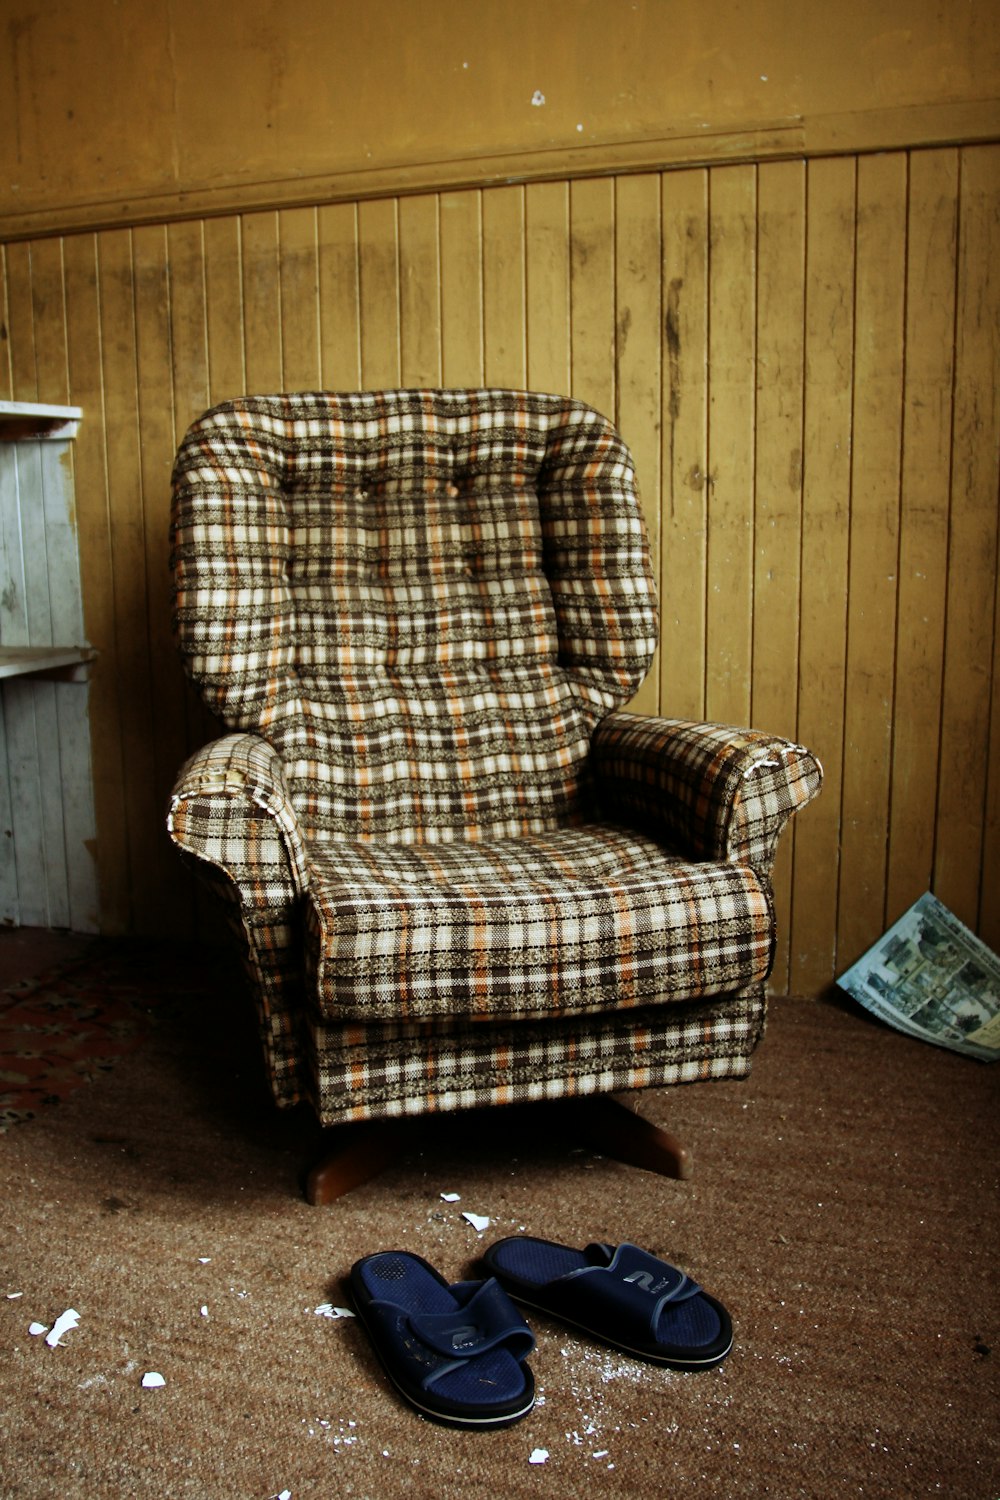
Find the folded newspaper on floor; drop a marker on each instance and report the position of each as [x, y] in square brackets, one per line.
[930, 977]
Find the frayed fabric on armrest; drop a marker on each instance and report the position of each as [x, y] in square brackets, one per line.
[230, 807]
[715, 792]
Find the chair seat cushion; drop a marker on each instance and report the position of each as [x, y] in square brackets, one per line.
[576, 920]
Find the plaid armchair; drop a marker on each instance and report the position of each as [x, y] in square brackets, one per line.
[460, 873]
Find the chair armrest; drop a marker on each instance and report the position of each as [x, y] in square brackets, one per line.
[230, 807]
[715, 792]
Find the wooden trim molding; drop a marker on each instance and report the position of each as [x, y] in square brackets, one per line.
[857, 132]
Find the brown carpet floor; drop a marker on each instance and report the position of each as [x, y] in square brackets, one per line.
[844, 1206]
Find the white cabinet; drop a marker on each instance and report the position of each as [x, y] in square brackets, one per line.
[47, 867]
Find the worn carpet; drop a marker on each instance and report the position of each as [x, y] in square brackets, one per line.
[844, 1206]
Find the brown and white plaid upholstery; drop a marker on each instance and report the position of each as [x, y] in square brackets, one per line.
[421, 613]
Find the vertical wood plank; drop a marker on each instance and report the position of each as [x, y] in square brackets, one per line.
[262, 303]
[547, 287]
[6, 378]
[684, 521]
[874, 550]
[592, 293]
[781, 240]
[86, 374]
[923, 539]
[730, 473]
[138, 806]
[420, 291]
[339, 306]
[638, 344]
[961, 878]
[187, 261]
[826, 500]
[378, 242]
[188, 332]
[155, 398]
[462, 288]
[49, 321]
[227, 360]
[504, 343]
[299, 275]
[20, 323]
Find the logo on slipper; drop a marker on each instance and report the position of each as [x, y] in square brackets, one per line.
[644, 1281]
[465, 1338]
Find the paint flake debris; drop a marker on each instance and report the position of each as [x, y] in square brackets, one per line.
[65, 1323]
[327, 1310]
[204, 1311]
[12, 1296]
[451, 1197]
[539, 1456]
[538, 98]
[479, 1222]
[36, 1328]
[152, 1380]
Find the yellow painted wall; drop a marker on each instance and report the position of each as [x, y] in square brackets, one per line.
[114, 111]
[801, 352]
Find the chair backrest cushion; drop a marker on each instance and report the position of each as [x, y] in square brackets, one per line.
[425, 600]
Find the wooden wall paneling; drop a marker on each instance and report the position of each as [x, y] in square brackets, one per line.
[961, 879]
[339, 297]
[923, 536]
[638, 348]
[462, 288]
[378, 240]
[781, 241]
[989, 901]
[685, 491]
[592, 292]
[228, 367]
[730, 458]
[84, 331]
[504, 343]
[874, 549]
[157, 425]
[6, 385]
[420, 291]
[20, 323]
[299, 279]
[188, 333]
[188, 265]
[48, 302]
[826, 507]
[139, 807]
[262, 325]
[547, 287]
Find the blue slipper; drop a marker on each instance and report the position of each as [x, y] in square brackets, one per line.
[625, 1297]
[455, 1352]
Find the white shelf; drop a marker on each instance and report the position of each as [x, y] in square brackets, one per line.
[71, 663]
[22, 421]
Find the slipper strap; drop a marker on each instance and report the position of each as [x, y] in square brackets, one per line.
[485, 1319]
[628, 1295]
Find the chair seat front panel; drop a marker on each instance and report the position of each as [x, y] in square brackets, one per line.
[588, 919]
[378, 1071]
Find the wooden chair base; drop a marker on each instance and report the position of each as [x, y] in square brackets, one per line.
[356, 1153]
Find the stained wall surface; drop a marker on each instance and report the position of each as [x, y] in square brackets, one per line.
[800, 348]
